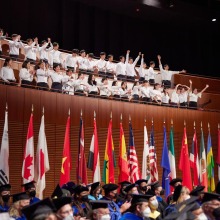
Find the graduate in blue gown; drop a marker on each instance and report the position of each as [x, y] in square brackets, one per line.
[4, 197]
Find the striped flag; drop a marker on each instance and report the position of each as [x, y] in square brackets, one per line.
[4, 154]
[165, 164]
[123, 161]
[81, 165]
[66, 159]
[145, 161]
[93, 161]
[172, 156]
[184, 164]
[202, 163]
[153, 158]
[218, 155]
[42, 160]
[109, 158]
[210, 165]
[132, 158]
[28, 162]
[194, 160]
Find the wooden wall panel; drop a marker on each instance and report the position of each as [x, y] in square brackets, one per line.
[56, 113]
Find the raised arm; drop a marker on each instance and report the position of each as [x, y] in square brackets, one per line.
[190, 85]
[159, 59]
[127, 56]
[206, 87]
[136, 60]
[177, 86]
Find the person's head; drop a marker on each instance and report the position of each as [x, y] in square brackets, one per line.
[195, 91]
[157, 86]
[81, 193]
[26, 64]
[104, 81]
[100, 210]
[56, 68]
[75, 52]
[90, 56]
[41, 64]
[122, 59]
[102, 55]
[5, 191]
[30, 188]
[8, 62]
[29, 41]
[136, 83]
[145, 83]
[176, 182]
[43, 42]
[183, 89]
[114, 83]
[82, 53]
[152, 64]
[131, 190]
[111, 191]
[178, 90]
[21, 199]
[1, 32]
[166, 67]
[95, 189]
[80, 76]
[110, 57]
[142, 184]
[55, 46]
[69, 72]
[153, 203]
[14, 36]
[157, 188]
[65, 211]
[91, 78]
[123, 84]
[181, 193]
[165, 91]
[144, 65]
[198, 212]
[130, 60]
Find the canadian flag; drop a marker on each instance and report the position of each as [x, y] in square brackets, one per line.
[42, 160]
[28, 162]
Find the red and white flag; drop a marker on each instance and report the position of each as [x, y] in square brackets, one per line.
[28, 162]
[42, 160]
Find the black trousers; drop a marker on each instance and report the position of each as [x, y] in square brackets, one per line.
[166, 83]
[121, 77]
[135, 98]
[130, 78]
[93, 94]
[26, 84]
[193, 105]
[146, 99]
[42, 86]
[13, 56]
[56, 87]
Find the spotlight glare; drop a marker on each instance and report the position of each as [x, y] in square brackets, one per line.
[214, 19]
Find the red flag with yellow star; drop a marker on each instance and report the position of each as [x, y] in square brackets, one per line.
[66, 160]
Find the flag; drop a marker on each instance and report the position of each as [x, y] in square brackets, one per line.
[132, 158]
[202, 163]
[153, 158]
[109, 158]
[165, 164]
[42, 160]
[210, 165]
[194, 160]
[123, 161]
[66, 159]
[184, 164]
[4, 154]
[28, 162]
[172, 156]
[81, 171]
[145, 161]
[93, 161]
[218, 155]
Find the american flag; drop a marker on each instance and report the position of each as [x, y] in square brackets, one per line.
[153, 158]
[132, 158]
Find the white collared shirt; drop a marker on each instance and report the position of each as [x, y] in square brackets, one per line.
[58, 77]
[104, 90]
[82, 62]
[90, 64]
[165, 98]
[25, 74]
[7, 73]
[92, 88]
[44, 51]
[42, 76]
[71, 61]
[151, 73]
[56, 56]
[1, 38]
[167, 74]
[101, 64]
[115, 90]
[31, 51]
[135, 90]
[79, 85]
[110, 67]
[130, 68]
[123, 93]
[155, 93]
[121, 69]
[175, 97]
[14, 47]
[183, 97]
[145, 91]
[194, 97]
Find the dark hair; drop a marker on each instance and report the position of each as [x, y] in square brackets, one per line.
[120, 58]
[135, 83]
[43, 41]
[130, 58]
[145, 81]
[55, 66]
[156, 84]
[29, 39]
[90, 81]
[91, 55]
[152, 62]
[82, 51]
[14, 35]
[103, 79]
[1, 30]
[68, 70]
[114, 83]
[55, 44]
[79, 74]
[7, 60]
[110, 55]
[24, 64]
[165, 65]
[75, 51]
[38, 65]
[102, 53]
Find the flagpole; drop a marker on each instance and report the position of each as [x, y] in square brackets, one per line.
[94, 115]
[32, 109]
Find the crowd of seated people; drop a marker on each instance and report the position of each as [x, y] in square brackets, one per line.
[76, 74]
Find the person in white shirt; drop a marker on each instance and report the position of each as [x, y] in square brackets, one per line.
[71, 60]
[105, 92]
[7, 73]
[56, 55]
[145, 91]
[2, 37]
[115, 90]
[42, 76]
[152, 73]
[82, 59]
[46, 47]
[183, 96]
[80, 87]
[101, 64]
[121, 67]
[26, 75]
[57, 78]
[174, 101]
[90, 63]
[31, 50]
[92, 86]
[143, 71]
[166, 74]
[14, 46]
[156, 94]
[194, 95]
[110, 67]
[165, 97]
[135, 91]
[124, 92]
[130, 66]
[68, 87]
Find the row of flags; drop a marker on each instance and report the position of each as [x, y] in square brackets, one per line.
[35, 168]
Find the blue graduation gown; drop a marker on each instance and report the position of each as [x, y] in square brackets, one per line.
[130, 216]
[4, 208]
[33, 200]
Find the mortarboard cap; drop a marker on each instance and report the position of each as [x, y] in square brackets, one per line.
[197, 191]
[150, 192]
[41, 207]
[154, 185]
[177, 192]
[141, 181]
[124, 183]
[94, 186]
[29, 185]
[96, 204]
[110, 187]
[210, 196]
[174, 181]
[69, 186]
[57, 193]
[20, 196]
[140, 198]
[60, 202]
[80, 189]
[6, 187]
[129, 187]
